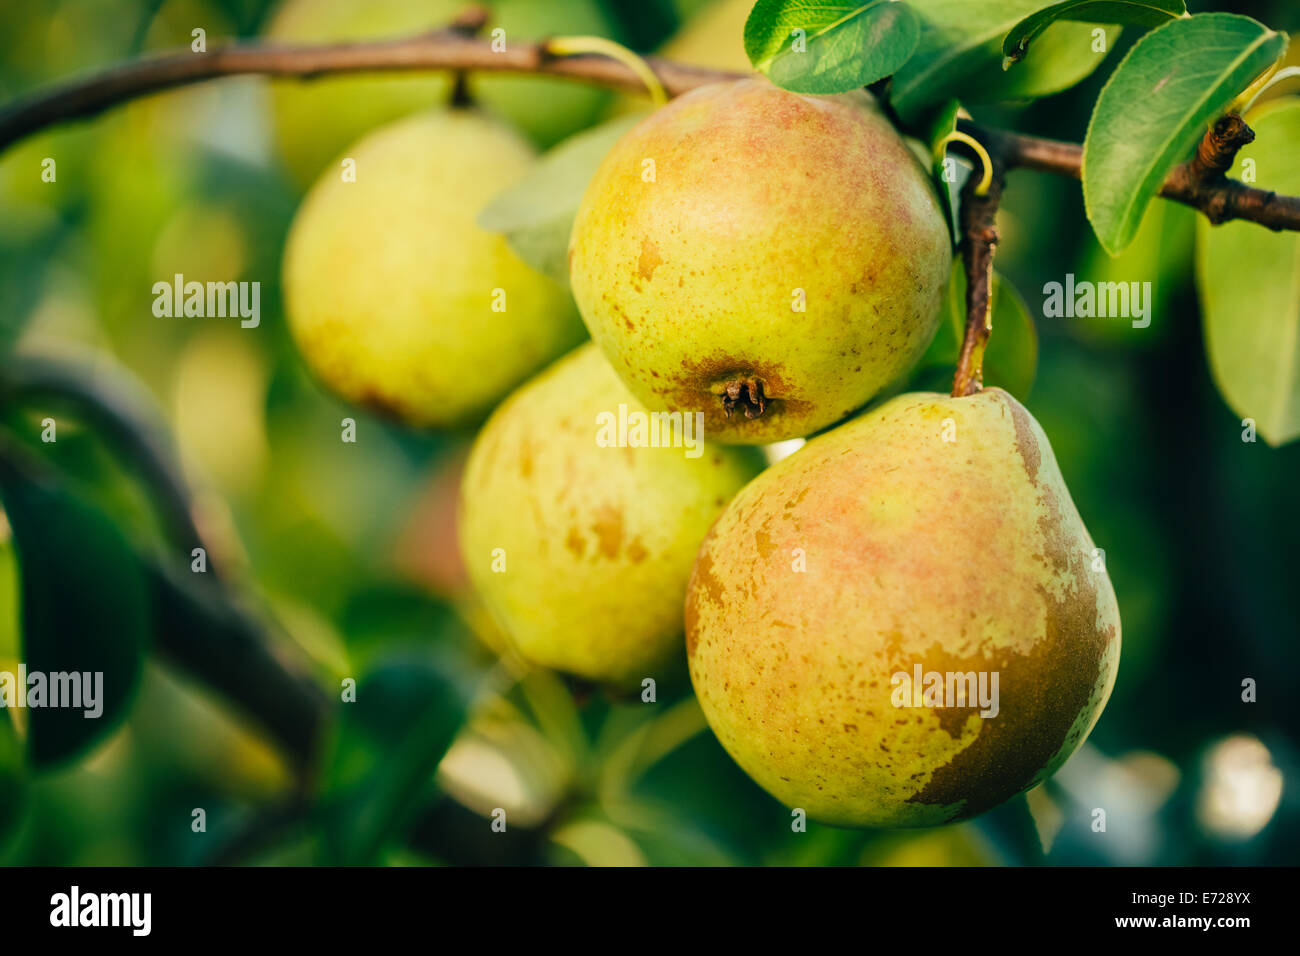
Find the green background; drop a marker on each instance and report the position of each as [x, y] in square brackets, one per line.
[346, 547]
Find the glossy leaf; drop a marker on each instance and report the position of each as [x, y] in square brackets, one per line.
[536, 214]
[1146, 13]
[1065, 54]
[1249, 282]
[811, 47]
[960, 55]
[1155, 108]
[84, 607]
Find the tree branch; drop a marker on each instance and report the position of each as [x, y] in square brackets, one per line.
[201, 623]
[455, 48]
[446, 49]
[1201, 182]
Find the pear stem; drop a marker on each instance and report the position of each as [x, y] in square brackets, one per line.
[978, 217]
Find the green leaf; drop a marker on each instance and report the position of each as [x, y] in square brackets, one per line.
[1011, 358]
[1155, 108]
[811, 47]
[960, 55]
[389, 743]
[536, 213]
[1144, 13]
[1066, 53]
[1249, 281]
[84, 606]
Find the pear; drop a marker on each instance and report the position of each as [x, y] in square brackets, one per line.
[931, 536]
[728, 262]
[580, 542]
[315, 121]
[397, 299]
[713, 36]
[545, 109]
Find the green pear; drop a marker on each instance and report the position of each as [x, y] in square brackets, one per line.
[546, 109]
[579, 540]
[728, 262]
[713, 36]
[397, 299]
[315, 121]
[932, 536]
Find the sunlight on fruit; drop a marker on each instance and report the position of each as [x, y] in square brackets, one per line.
[1242, 788]
[782, 449]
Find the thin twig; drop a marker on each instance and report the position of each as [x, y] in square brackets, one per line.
[454, 48]
[1201, 183]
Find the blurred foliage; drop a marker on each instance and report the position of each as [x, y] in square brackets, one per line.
[348, 551]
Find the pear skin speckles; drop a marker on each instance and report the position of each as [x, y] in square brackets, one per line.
[758, 261]
[937, 533]
[597, 541]
[389, 280]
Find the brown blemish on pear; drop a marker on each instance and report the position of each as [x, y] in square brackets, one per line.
[963, 556]
[748, 207]
[599, 539]
[649, 261]
[608, 527]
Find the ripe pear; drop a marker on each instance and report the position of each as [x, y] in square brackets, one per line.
[398, 300]
[582, 546]
[932, 533]
[315, 121]
[769, 259]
